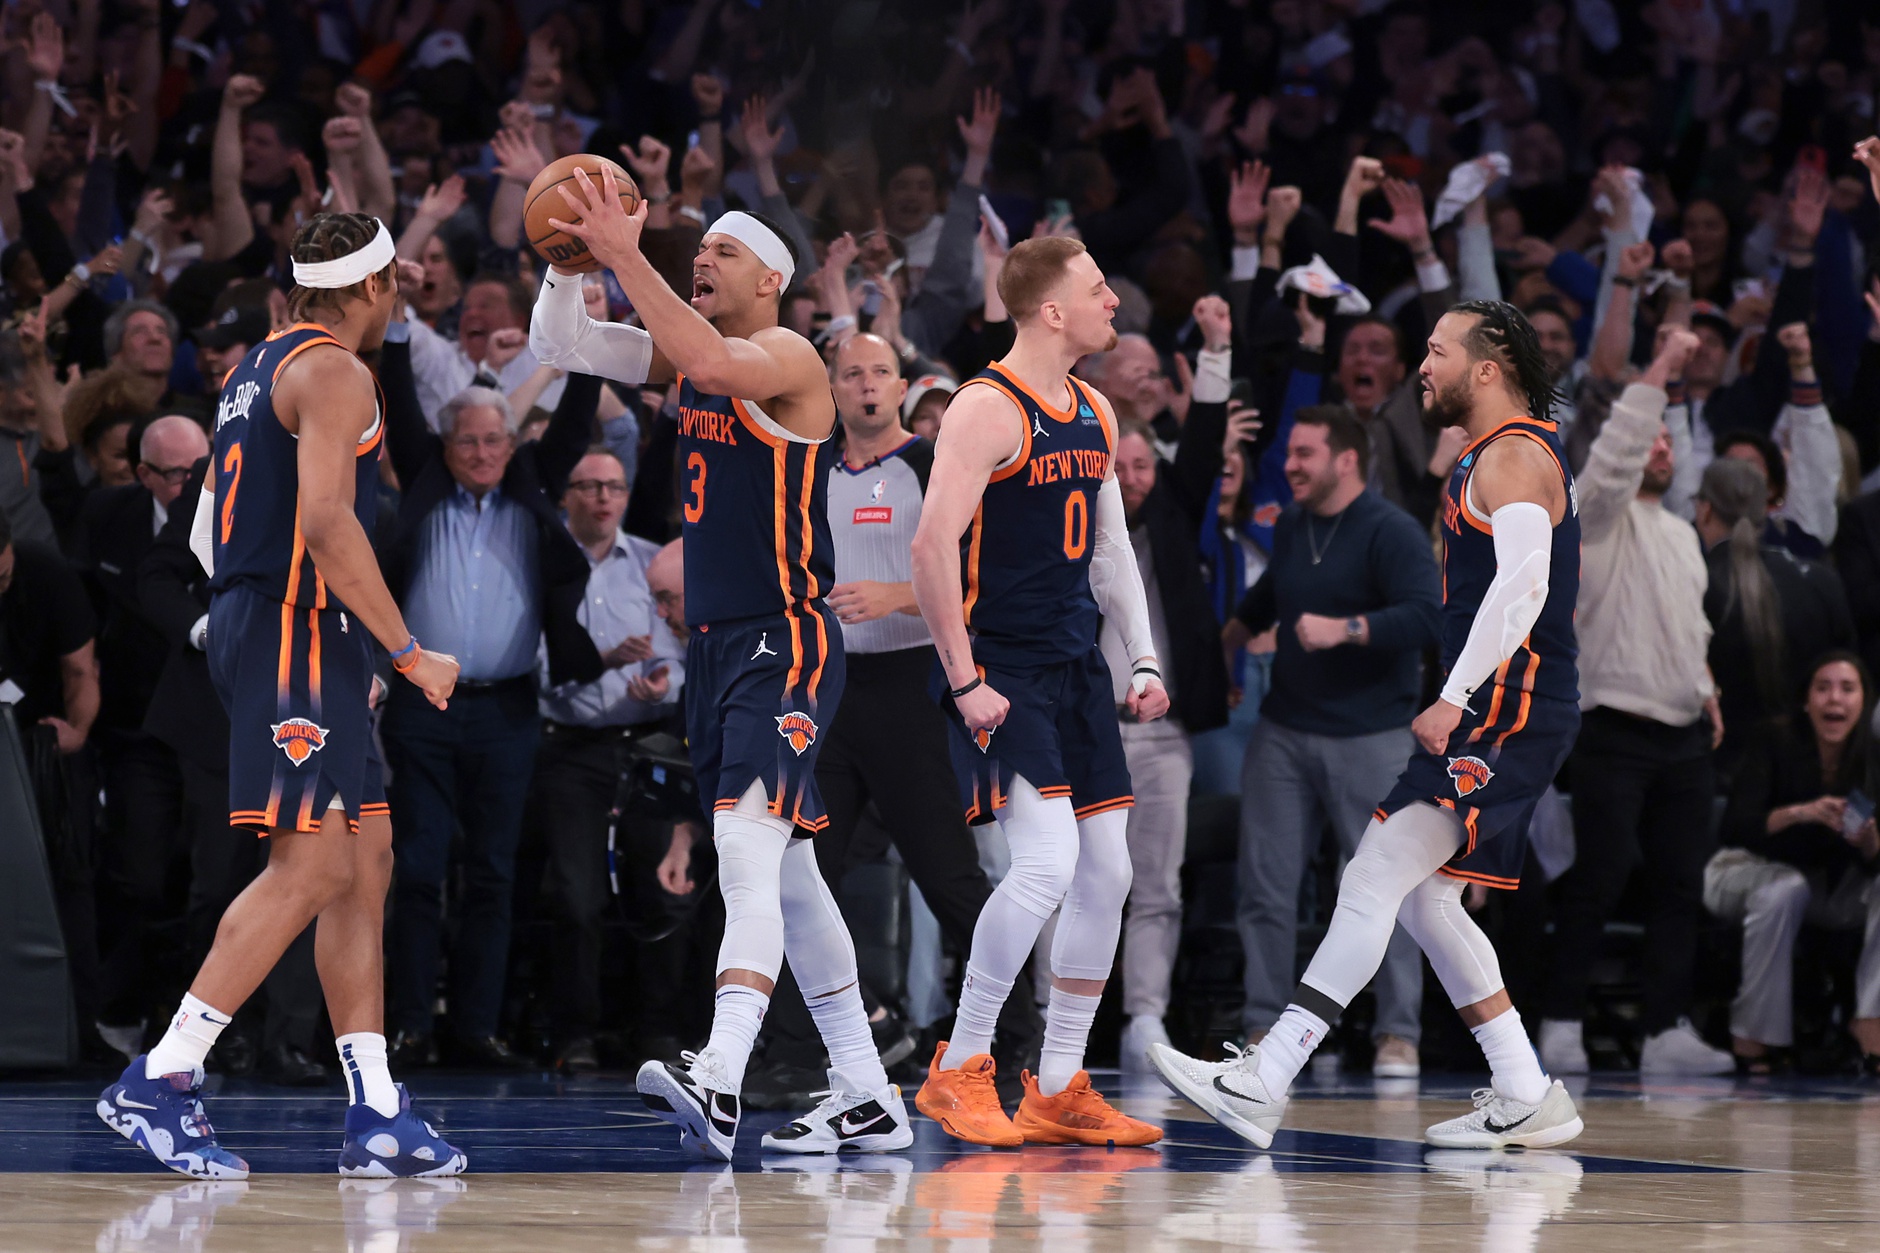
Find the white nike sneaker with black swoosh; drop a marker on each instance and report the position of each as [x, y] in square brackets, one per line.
[696, 1098]
[1229, 1092]
[1500, 1123]
[847, 1122]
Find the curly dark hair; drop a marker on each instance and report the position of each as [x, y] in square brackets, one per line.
[1503, 334]
[328, 237]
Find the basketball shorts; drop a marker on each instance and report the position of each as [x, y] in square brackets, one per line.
[1061, 734]
[1492, 778]
[759, 693]
[297, 685]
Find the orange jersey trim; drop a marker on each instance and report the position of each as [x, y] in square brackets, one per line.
[972, 565]
[1024, 427]
[1486, 880]
[1050, 410]
[1104, 807]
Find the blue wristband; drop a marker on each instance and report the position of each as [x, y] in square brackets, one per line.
[408, 648]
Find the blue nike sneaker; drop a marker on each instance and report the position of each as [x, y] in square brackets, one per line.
[404, 1147]
[164, 1116]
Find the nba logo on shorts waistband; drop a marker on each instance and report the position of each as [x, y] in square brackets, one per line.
[299, 739]
[1469, 773]
[798, 729]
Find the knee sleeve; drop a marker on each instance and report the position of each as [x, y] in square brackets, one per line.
[1459, 953]
[1042, 834]
[815, 938]
[751, 847]
[1092, 921]
[1396, 855]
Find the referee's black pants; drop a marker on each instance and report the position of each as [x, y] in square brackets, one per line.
[888, 745]
[1641, 799]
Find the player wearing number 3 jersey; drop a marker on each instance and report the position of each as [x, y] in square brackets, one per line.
[764, 663]
[1022, 543]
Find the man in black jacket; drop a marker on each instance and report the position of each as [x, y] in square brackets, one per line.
[186, 717]
[480, 562]
[142, 786]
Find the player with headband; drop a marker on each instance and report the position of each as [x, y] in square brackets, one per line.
[764, 662]
[282, 527]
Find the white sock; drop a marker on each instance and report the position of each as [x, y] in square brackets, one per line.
[981, 999]
[1511, 1058]
[368, 1081]
[737, 1015]
[1066, 1032]
[844, 1027]
[192, 1034]
[1286, 1048]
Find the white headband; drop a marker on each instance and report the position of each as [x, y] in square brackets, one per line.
[352, 268]
[760, 239]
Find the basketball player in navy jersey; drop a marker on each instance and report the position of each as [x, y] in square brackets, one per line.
[764, 662]
[282, 530]
[1022, 542]
[1488, 747]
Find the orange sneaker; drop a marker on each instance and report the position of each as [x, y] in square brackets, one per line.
[964, 1102]
[1077, 1115]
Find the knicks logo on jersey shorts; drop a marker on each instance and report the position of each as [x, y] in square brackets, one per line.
[1469, 773]
[983, 738]
[798, 729]
[301, 739]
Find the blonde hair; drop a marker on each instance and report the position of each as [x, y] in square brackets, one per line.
[1032, 271]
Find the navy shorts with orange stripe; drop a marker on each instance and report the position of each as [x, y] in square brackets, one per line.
[297, 683]
[1061, 735]
[759, 694]
[1492, 774]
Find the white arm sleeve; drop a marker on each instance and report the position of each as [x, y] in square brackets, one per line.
[1524, 539]
[202, 527]
[1117, 583]
[562, 334]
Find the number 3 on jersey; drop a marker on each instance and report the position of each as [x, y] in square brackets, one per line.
[695, 490]
[1076, 525]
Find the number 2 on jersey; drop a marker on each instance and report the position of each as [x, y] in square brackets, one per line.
[695, 505]
[1076, 525]
[231, 464]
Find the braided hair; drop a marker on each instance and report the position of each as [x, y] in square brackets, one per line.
[328, 237]
[1502, 334]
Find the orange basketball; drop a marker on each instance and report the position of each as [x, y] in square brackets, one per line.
[545, 201]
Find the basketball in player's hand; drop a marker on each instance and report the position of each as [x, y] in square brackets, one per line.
[545, 201]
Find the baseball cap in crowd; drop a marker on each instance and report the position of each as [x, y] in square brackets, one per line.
[1707, 311]
[924, 385]
[440, 47]
[237, 325]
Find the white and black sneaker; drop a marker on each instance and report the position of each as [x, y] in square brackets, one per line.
[847, 1122]
[1500, 1123]
[1229, 1092]
[696, 1098]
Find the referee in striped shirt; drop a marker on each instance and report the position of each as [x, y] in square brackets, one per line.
[887, 743]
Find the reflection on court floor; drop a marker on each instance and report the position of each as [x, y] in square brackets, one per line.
[576, 1165]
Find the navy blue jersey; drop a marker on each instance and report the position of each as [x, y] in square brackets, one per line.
[754, 499]
[1025, 560]
[1544, 666]
[258, 543]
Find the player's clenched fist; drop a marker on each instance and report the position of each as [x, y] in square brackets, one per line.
[982, 709]
[436, 676]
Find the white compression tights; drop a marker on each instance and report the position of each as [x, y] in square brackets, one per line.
[776, 901]
[1393, 878]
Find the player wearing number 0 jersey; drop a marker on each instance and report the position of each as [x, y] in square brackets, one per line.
[281, 527]
[1022, 542]
[764, 663]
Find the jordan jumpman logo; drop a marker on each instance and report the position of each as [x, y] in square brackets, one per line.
[1037, 426]
[763, 647]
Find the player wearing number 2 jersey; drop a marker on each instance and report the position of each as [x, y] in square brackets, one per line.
[764, 663]
[1022, 542]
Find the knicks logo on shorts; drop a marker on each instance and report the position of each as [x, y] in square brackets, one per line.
[983, 738]
[299, 739]
[798, 729]
[1469, 773]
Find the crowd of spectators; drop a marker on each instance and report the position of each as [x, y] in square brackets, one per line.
[1679, 195]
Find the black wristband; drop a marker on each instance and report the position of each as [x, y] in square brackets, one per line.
[958, 692]
[1145, 668]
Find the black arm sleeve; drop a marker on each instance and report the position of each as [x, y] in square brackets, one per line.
[409, 440]
[570, 432]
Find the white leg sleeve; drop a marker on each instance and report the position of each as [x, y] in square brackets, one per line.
[815, 938]
[751, 845]
[1042, 834]
[1460, 954]
[1092, 921]
[1393, 858]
